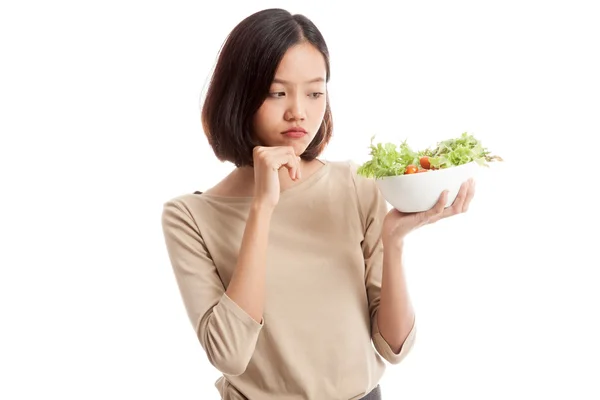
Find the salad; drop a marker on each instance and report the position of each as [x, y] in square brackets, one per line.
[391, 160]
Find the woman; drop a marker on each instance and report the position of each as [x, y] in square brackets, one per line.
[290, 268]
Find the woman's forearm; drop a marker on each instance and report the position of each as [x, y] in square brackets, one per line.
[395, 316]
[247, 285]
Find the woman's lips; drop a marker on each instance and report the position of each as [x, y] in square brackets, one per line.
[295, 133]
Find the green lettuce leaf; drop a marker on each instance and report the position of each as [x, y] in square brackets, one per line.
[391, 160]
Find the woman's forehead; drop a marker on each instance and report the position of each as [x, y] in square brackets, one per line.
[301, 64]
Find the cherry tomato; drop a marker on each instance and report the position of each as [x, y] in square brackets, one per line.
[410, 169]
[424, 161]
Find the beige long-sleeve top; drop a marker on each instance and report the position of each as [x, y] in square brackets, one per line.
[319, 338]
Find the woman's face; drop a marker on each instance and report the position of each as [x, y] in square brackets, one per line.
[296, 100]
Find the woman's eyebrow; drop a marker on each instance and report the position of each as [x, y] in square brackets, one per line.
[284, 82]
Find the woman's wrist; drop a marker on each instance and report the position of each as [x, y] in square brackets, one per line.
[393, 245]
[261, 208]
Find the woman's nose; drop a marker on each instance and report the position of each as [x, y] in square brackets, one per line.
[295, 111]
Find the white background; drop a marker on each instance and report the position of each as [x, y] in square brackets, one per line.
[99, 117]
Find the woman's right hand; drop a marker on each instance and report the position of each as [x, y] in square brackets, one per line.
[267, 163]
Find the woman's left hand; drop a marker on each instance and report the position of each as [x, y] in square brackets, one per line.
[397, 225]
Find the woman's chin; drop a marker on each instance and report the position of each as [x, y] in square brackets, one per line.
[298, 144]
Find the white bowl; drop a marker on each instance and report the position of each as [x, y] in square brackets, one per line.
[421, 191]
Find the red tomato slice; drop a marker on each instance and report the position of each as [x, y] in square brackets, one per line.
[411, 169]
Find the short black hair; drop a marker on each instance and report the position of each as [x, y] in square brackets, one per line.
[242, 77]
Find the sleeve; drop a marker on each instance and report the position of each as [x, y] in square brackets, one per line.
[373, 209]
[226, 332]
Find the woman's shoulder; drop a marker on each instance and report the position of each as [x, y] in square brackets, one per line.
[205, 203]
[183, 200]
[347, 170]
[365, 189]
[182, 206]
[203, 216]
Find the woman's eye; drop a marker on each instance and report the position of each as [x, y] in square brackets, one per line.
[277, 94]
[316, 95]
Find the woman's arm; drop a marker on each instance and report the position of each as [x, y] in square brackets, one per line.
[389, 302]
[395, 316]
[247, 285]
[227, 333]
